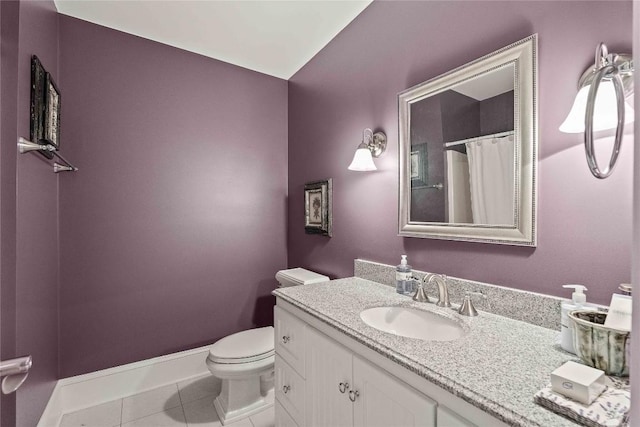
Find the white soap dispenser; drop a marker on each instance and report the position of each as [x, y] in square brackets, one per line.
[578, 300]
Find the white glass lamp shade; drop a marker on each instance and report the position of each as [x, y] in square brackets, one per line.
[362, 160]
[605, 113]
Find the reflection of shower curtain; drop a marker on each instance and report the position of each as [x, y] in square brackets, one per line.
[458, 207]
[491, 178]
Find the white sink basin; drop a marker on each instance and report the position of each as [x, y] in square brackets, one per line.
[412, 323]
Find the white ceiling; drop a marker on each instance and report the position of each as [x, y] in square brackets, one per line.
[269, 36]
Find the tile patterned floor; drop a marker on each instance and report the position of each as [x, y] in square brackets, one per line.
[187, 403]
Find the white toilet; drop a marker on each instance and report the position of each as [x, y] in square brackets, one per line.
[244, 361]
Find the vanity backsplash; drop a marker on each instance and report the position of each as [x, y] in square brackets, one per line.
[537, 309]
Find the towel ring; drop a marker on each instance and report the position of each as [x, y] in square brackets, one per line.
[609, 71]
[619, 69]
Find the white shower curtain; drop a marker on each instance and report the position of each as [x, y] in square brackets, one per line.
[491, 178]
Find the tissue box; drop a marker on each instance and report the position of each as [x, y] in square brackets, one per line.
[578, 382]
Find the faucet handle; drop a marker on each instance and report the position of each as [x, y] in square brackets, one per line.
[420, 295]
[467, 308]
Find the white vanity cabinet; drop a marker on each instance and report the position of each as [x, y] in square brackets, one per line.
[331, 380]
[337, 388]
[344, 390]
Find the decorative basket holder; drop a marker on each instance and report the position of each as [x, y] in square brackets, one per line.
[598, 346]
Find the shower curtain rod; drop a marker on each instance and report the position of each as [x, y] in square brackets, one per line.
[475, 138]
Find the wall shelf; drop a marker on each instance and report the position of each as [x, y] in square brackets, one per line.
[25, 146]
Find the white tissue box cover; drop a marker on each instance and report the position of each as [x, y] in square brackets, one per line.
[578, 382]
[608, 410]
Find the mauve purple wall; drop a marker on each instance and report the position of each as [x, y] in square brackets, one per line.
[37, 224]
[496, 114]
[460, 117]
[9, 20]
[175, 225]
[427, 204]
[584, 224]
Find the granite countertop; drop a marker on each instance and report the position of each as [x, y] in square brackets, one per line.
[497, 366]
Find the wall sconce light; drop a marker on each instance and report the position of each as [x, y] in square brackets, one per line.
[600, 104]
[372, 145]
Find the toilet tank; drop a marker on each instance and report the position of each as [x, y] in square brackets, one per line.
[299, 276]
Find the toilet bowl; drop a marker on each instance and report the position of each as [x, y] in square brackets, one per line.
[244, 361]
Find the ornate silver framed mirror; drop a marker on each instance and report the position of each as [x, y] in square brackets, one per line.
[468, 151]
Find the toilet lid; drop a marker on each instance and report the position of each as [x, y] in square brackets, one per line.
[244, 346]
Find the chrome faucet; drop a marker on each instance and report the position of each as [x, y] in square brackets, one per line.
[443, 288]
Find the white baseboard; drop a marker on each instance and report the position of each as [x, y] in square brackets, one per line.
[82, 391]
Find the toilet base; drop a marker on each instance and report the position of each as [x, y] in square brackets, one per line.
[241, 398]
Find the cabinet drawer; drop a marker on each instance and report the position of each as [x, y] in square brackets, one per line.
[289, 388]
[290, 339]
[283, 419]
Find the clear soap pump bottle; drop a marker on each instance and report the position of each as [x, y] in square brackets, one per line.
[404, 282]
[578, 300]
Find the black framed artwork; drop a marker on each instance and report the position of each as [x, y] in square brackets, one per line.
[317, 207]
[419, 165]
[45, 108]
[51, 112]
[36, 130]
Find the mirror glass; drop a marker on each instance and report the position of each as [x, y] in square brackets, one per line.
[464, 136]
[467, 151]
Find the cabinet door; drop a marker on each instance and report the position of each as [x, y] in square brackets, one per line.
[328, 364]
[289, 389]
[384, 400]
[447, 418]
[290, 339]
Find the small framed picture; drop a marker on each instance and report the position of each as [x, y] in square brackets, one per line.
[317, 207]
[52, 112]
[37, 119]
[419, 165]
